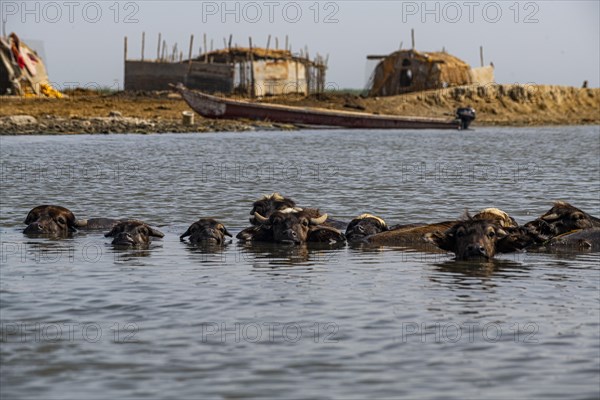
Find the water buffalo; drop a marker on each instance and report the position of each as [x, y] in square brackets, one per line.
[410, 234]
[268, 204]
[407, 234]
[561, 218]
[60, 221]
[50, 220]
[470, 238]
[207, 231]
[364, 225]
[291, 227]
[132, 233]
[582, 239]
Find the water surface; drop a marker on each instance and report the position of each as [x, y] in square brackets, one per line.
[81, 319]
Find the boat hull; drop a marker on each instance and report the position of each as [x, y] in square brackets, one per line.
[216, 107]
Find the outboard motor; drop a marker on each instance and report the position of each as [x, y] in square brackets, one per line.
[465, 115]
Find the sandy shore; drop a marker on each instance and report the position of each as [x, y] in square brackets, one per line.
[161, 112]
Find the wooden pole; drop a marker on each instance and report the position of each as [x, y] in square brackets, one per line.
[158, 48]
[286, 43]
[252, 88]
[268, 42]
[229, 58]
[412, 37]
[125, 60]
[297, 83]
[191, 47]
[190, 55]
[143, 44]
[205, 49]
[481, 55]
[211, 44]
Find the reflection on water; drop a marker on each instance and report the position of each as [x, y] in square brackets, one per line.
[80, 316]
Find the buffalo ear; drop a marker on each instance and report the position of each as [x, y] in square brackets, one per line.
[501, 233]
[32, 216]
[112, 232]
[445, 241]
[71, 219]
[155, 232]
[226, 232]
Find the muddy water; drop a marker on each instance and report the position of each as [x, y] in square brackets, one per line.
[81, 319]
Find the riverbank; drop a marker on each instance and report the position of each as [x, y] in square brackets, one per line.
[86, 111]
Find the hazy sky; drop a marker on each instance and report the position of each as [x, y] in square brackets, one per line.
[544, 42]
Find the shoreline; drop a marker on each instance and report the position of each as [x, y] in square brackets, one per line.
[89, 112]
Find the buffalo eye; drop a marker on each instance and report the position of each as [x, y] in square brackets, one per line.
[491, 234]
[221, 228]
[305, 222]
[460, 233]
[61, 220]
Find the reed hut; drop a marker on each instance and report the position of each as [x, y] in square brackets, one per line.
[268, 72]
[251, 71]
[409, 71]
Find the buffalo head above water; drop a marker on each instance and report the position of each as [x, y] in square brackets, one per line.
[268, 204]
[50, 220]
[133, 233]
[365, 225]
[561, 218]
[291, 227]
[206, 230]
[470, 238]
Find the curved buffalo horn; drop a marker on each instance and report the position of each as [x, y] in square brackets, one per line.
[226, 232]
[550, 217]
[155, 232]
[81, 223]
[319, 221]
[260, 218]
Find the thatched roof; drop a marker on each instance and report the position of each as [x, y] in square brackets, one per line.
[432, 57]
[410, 70]
[245, 52]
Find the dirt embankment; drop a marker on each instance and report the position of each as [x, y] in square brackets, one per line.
[518, 105]
[90, 112]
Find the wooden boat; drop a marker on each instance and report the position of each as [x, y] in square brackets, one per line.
[217, 107]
